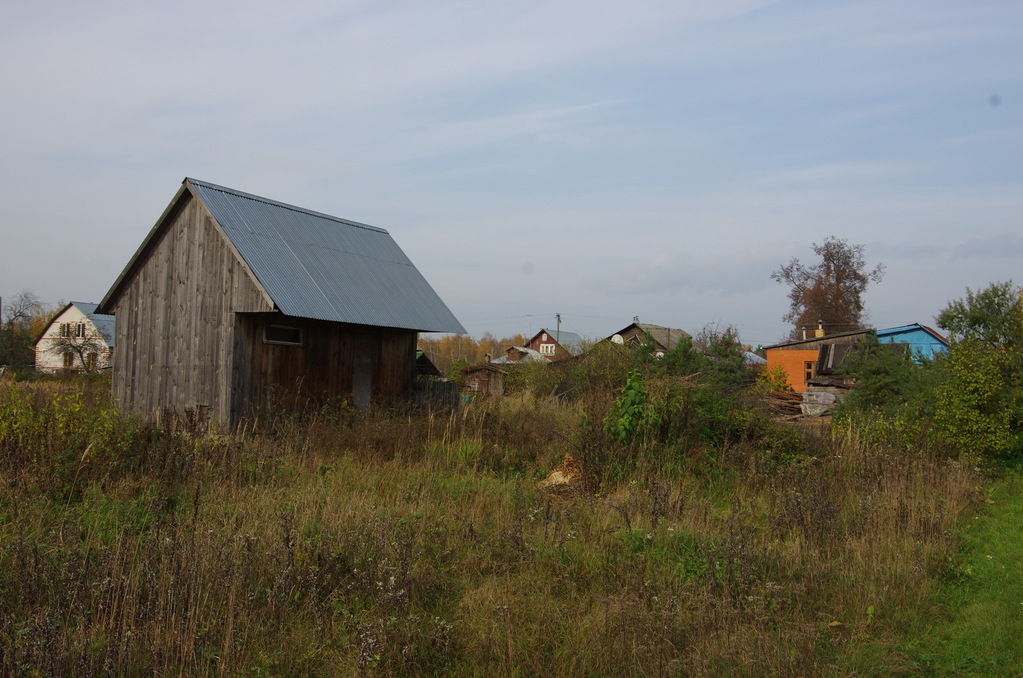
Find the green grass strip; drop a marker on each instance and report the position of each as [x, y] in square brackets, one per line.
[983, 634]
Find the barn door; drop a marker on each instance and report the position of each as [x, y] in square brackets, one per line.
[362, 376]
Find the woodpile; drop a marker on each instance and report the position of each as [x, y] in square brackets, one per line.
[785, 403]
[790, 406]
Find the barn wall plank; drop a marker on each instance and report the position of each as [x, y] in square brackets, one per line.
[175, 319]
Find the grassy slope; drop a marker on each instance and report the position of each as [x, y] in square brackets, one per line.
[983, 634]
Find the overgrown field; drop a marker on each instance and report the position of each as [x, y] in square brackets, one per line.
[704, 540]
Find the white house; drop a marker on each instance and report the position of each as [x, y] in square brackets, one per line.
[77, 339]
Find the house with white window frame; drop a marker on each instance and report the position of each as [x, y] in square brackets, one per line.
[555, 345]
[77, 340]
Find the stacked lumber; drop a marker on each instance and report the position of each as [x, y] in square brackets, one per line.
[785, 403]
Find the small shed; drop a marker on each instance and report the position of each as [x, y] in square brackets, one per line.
[485, 379]
[234, 301]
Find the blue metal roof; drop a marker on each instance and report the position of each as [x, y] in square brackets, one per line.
[104, 323]
[317, 266]
[922, 340]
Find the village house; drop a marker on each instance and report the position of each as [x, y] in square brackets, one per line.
[77, 339]
[555, 345]
[664, 338]
[806, 360]
[234, 302]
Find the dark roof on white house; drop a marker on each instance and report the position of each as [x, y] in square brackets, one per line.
[316, 266]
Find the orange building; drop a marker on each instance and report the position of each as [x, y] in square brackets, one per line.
[799, 358]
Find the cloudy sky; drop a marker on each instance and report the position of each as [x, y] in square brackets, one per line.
[601, 160]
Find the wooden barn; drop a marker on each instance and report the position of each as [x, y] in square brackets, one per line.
[234, 302]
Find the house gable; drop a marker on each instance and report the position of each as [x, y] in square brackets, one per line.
[554, 345]
[175, 305]
[77, 338]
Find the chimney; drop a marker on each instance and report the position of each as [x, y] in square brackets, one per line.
[804, 333]
[819, 332]
[487, 356]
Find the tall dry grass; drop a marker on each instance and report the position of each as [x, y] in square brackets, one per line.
[419, 544]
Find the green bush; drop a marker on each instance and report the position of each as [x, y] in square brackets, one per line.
[973, 413]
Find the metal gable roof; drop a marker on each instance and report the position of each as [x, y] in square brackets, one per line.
[570, 341]
[103, 323]
[317, 266]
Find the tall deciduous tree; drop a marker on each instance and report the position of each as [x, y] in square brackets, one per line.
[981, 405]
[829, 292]
[24, 318]
[993, 316]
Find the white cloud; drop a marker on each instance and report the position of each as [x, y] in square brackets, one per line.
[1000, 246]
[659, 158]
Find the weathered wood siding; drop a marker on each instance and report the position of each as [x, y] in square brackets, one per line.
[331, 361]
[175, 320]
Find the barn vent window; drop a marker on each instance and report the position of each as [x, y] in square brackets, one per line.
[282, 334]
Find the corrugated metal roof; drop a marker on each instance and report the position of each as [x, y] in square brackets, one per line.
[317, 266]
[570, 341]
[751, 358]
[104, 323]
